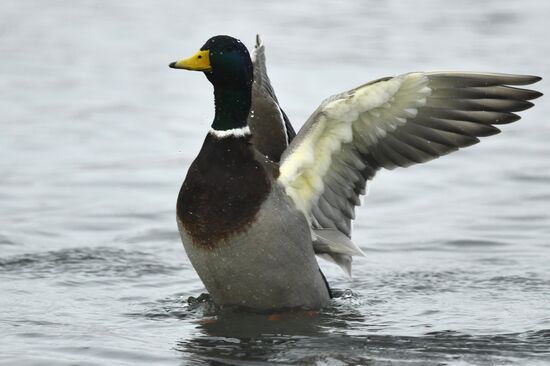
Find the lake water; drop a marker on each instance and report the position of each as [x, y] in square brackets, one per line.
[97, 134]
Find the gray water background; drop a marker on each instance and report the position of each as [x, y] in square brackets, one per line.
[97, 134]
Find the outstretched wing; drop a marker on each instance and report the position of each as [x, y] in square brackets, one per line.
[391, 122]
[271, 128]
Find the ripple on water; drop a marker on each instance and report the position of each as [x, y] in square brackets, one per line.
[4, 240]
[541, 177]
[86, 263]
[425, 282]
[309, 343]
[526, 282]
[471, 243]
[345, 303]
[155, 234]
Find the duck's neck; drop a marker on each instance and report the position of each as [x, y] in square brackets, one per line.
[232, 106]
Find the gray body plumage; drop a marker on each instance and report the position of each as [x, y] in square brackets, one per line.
[269, 266]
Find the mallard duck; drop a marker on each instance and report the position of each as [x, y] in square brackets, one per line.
[259, 202]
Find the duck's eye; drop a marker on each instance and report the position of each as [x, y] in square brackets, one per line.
[200, 56]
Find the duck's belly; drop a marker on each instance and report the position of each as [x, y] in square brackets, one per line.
[271, 265]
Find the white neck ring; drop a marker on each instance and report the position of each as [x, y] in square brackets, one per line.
[234, 132]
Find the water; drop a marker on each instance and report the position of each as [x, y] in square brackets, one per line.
[97, 134]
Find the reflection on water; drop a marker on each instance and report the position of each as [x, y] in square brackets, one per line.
[97, 134]
[325, 338]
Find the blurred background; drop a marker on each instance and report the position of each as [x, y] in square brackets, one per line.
[97, 133]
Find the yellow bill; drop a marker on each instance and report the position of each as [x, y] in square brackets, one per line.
[200, 61]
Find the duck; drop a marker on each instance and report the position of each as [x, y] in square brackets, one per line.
[261, 202]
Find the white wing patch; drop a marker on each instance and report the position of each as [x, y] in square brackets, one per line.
[364, 115]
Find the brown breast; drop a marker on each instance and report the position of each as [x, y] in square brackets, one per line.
[223, 191]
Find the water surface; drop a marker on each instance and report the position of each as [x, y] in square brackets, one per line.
[97, 134]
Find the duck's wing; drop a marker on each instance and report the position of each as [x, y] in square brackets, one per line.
[271, 128]
[391, 122]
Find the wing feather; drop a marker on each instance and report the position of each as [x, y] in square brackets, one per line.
[271, 128]
[391, 122]
[485, 104]
[491, 92]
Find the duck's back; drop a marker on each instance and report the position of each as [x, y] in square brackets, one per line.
[247, 242]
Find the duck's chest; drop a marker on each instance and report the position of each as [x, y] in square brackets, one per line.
[223, 191]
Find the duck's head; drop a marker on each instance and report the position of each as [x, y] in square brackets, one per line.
[226, 63]
[224, 60]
